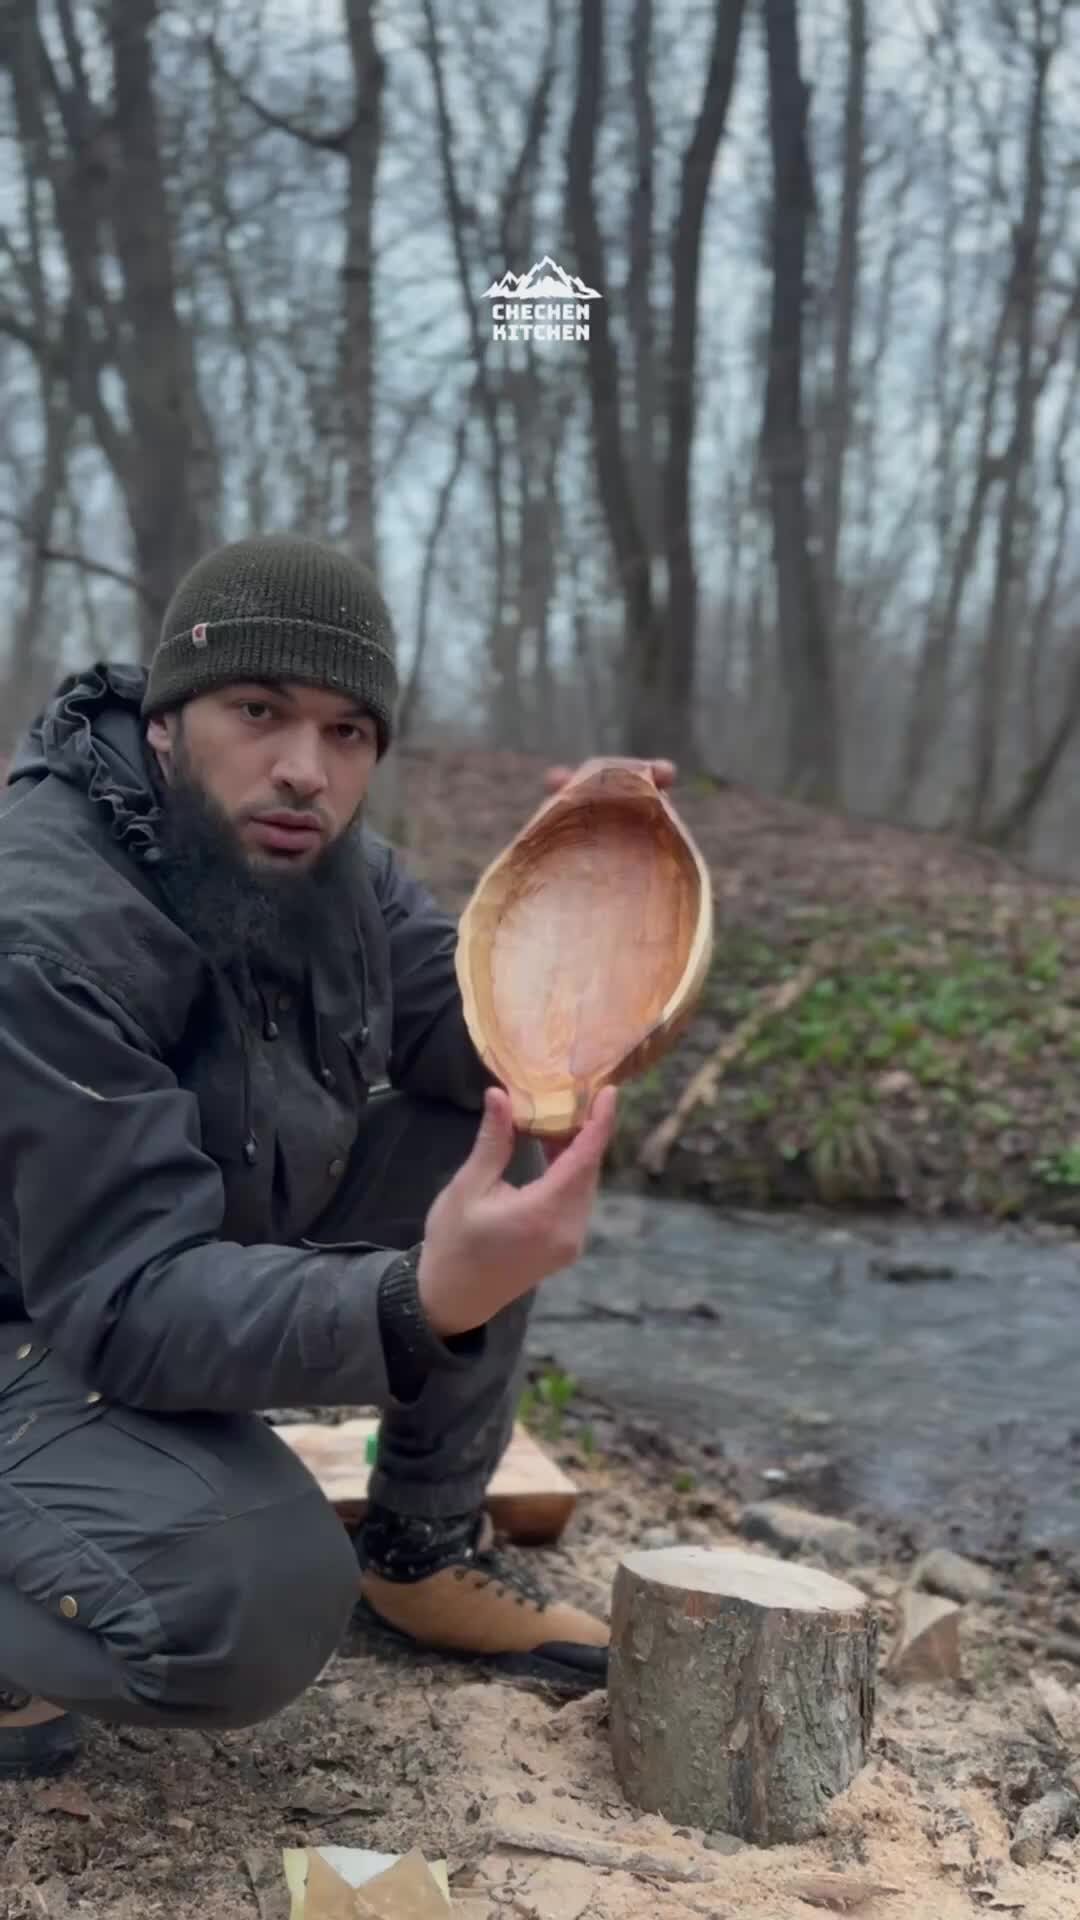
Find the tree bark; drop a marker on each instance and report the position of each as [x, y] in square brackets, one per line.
[643, 626]
[506, 718]
[680, 648]
[812, 736]
[640, 295]
[411, 693]
[173, 481]
[1022, 300]
[742, 1690]
[1013, 825]
[362, 150]
[845, 306]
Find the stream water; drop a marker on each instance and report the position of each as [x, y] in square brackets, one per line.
[928, 1372]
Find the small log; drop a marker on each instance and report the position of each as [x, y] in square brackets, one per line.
[741, 1690]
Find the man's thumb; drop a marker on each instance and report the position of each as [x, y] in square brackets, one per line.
[494, 1141]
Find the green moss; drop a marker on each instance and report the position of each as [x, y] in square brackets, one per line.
[936, 1057]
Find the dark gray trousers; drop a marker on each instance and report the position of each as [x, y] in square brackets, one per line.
[187, 1570]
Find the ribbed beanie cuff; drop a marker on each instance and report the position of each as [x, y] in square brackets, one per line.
[277, 609]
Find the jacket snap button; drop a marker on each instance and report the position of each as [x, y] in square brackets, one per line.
[336, 1169]
[364, 1036]
[250, 1150]
[92, 1399]
[24, 1352]
[69, 1606]
[327, 1078]
[271, 1030]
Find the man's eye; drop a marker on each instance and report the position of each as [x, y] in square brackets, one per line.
[255, 709]
[349, 730]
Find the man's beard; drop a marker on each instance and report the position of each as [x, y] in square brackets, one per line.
[276, 919]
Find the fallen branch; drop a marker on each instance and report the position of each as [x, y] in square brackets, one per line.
[701, 1088]
[591, 1853]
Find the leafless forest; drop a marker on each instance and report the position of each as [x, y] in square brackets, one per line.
[801, 510]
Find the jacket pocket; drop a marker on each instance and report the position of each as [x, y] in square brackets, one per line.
[40, 1400]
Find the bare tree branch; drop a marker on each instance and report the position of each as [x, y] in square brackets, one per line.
[335, 142]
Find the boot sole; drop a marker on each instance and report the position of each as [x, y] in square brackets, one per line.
[39, 1753]
[545, 1668]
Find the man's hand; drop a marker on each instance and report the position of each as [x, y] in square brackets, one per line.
[487, 1243]
[663, 772]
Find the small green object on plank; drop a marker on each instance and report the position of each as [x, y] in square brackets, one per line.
[371, 1448]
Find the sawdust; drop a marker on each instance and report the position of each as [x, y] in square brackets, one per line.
[392, 1753]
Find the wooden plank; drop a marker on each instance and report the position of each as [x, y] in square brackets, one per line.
[530, 1499]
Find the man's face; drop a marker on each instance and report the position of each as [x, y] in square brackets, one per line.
[288, 766]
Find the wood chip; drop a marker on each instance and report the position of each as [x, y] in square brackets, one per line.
[591, 1853]
[1063, 1706]
[928, 1645]
[71, 1799]
[838, 1893]
[272, 1896]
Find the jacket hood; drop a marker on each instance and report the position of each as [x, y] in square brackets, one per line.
[90, 733]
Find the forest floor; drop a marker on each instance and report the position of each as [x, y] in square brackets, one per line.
[932, 1057]
[513, 1786]
[932, 1062]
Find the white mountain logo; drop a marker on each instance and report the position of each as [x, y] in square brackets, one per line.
[546, 280]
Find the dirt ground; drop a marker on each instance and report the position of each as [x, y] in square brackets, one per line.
[389, 1753]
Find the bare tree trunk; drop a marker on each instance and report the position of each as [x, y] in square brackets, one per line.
[992, 682]
[1014, 824]
[845, 304]
[644, 636]
[538, 426]
[1042, 617]
[506, 706]
[640, 301]
[679, 693]
[362, 151]
[172, 483]
[24, 675]
[812, 735]
[935, 665]
[410, 699]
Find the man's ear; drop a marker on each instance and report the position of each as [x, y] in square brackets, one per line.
[160, 735]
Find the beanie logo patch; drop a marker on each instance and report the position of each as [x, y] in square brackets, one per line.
[198, 634]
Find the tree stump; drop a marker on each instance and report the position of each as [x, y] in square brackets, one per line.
[741, 1690]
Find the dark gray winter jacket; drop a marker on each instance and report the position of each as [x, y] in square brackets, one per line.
[140, 1126]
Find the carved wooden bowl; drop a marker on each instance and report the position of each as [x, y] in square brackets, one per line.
[585, 946]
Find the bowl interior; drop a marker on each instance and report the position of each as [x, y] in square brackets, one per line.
[586, 934]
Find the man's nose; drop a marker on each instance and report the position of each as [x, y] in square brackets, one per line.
[300, 765]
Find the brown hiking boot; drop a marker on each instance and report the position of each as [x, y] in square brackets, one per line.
[445, 1588]
[36, 1739]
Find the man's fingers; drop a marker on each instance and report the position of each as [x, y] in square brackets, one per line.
[493, 1145]
[580, 1160]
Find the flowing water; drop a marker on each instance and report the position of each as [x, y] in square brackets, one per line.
[929, 1372]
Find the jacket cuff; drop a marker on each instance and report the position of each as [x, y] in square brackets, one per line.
[412, 1350]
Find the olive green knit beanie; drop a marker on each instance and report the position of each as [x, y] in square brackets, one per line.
[277, 608]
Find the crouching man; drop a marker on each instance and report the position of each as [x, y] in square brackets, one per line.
[208, 966]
